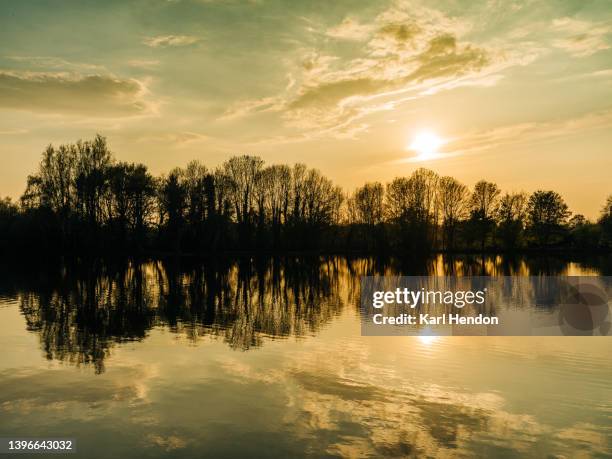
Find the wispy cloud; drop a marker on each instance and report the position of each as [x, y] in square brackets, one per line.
[350, 29]
[164, 41]
[581, 38]
[176, 138]
[407, 53]
[244, 108]
[529, 133]
[144, 63]
[55, 63]
[13, 131]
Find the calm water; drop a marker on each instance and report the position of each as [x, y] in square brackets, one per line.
[265, 359]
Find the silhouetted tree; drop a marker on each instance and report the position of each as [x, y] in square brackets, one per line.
[130, 203]
[583, 234]
[411, 204]
[172, 205]
[141, 191]
[483, 204]
[452, 198]
[605, 221]
[242, 172]
[367, 204]
[92, 180]
[511, 215]
[218, 192]
[196, 206]
[274, 198]
[53, 188]
[366, 208]
[547, 216]
[9, 213]
[316, 205]
[118, 200]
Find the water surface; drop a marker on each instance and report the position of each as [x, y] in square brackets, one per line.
[264, 358]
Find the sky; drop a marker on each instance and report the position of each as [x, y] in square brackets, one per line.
[515, 92]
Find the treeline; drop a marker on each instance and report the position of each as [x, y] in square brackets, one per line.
[83, 200]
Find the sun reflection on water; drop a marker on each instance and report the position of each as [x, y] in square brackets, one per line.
[428, 340]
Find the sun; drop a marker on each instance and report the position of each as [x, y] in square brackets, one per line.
[426, 144]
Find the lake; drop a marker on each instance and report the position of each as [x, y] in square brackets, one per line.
[265, 358]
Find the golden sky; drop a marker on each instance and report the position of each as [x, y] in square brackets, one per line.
[517, 92]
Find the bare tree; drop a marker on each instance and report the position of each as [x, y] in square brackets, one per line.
[321, 199]
[298, 179]
[54, 186]
[57, 175]
[366, 204]
[274, 196]
[511, 215]
[92, 179]
[194, 177]
[396, 198]
[484, 203]
[243, 172]
[365, 211]
[129, 201]
[412, 205]
[452, 198]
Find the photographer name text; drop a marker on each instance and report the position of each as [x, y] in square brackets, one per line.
[428, 319]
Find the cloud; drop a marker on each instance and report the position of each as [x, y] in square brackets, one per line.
[349, 29]
[581, 38]
[444, 58]
[14, 131]
[248, 107]
[65, 93]
[56, 63]
[394, 37]
[163, 41]
[177, 138]
[143, 63]
[408, 52]
[602, 73]
[529, 132]
[333, 97]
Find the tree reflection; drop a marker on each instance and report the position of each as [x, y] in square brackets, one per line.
[82, 309]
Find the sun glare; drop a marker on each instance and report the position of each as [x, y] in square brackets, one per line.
[426, 144]
[427, 340]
